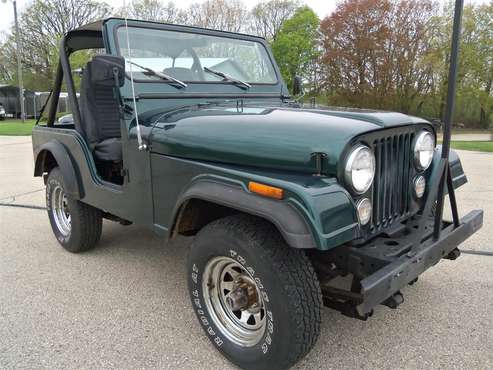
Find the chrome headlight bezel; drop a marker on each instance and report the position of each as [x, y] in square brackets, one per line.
[425, 143]
[355, 155]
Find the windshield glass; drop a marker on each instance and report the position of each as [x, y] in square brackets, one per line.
[184, 55]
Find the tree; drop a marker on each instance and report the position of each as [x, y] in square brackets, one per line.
[409, 46]
[485, 74]
[154, 10]
[375, 52]
[226, 15]
[474, 100]
[295, 46]
[268, 17]
[5, 73]
[41, 26]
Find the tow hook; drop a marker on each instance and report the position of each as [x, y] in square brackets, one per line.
[412, 282]
[394, 301]
[453, 255]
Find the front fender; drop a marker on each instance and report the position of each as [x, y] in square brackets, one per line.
[287, 219]
[318, 217]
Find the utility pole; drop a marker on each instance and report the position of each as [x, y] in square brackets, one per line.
[18, 48]
[19, 64]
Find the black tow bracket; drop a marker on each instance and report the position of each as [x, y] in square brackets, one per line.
[453, 255]
[383, 283]
[394, 301]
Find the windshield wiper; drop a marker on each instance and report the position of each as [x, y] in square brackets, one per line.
[161, 75]
[227, 77]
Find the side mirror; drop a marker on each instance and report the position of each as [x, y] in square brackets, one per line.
[107, 70]
[297, 86]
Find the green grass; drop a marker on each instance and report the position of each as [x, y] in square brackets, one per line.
[466, 131]
[15, 127]
[479, 146]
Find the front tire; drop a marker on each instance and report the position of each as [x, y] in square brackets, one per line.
[76, 225]
[258, 300]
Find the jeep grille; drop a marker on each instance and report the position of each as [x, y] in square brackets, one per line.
[392, 193]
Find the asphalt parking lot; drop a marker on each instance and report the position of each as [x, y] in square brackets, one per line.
[124, 304]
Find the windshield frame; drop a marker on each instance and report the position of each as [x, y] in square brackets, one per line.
[200, 31]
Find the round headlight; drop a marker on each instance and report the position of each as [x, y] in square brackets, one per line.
[360, 169]
[423, 150]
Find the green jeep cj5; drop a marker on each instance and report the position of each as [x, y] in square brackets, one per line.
[192, 131]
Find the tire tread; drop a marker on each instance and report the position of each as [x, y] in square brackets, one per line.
[301, 283]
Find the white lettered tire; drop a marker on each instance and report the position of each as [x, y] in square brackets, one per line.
[279, 321]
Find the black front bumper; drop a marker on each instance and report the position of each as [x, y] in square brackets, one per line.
[389, 263]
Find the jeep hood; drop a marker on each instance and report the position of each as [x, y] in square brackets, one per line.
[266, 137]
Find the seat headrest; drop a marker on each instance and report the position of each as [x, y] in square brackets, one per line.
[103, 67]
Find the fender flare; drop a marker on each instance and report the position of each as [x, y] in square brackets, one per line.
[459, 178]
[288, 220]
[66, 164]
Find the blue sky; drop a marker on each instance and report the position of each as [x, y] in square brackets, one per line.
[321, 7]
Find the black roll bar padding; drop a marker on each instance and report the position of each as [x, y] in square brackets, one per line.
[445, 176]
[65, 52]
[55, 95]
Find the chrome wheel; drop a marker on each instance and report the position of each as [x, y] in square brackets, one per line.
[60, 211]
[234, 301]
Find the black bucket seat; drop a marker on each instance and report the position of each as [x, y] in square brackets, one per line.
[100, 114]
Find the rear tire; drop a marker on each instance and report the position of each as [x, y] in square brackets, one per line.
[76, 225]
[281, 321]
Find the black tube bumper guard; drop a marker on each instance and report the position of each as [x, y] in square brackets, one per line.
[388, 263]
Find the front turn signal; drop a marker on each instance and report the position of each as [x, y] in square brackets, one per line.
[265, 190]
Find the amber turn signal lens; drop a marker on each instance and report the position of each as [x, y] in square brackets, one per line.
[265, 190]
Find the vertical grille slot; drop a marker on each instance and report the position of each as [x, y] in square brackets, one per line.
[392, 178]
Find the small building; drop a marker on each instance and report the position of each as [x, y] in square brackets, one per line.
[33, 101]
[9, 97]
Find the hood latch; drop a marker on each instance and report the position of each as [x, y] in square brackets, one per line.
[319, 162]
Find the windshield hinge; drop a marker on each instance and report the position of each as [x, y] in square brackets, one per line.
[125, 174]
[239, 106]
[128, 109]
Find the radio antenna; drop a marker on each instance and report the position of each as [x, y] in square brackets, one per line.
[142, 145]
